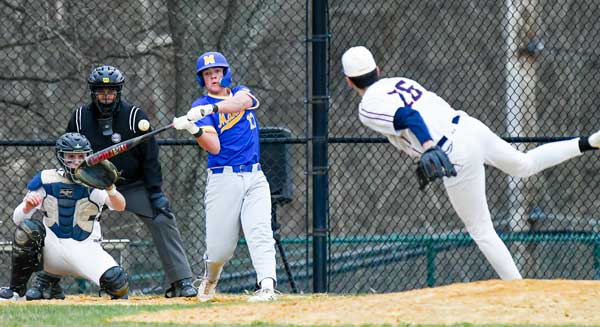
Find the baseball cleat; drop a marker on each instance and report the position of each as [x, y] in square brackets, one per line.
[181, 288]
[206, 290]
[7, 294]
[45, 287]
[264, 295]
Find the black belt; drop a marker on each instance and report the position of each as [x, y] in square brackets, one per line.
[444, 139]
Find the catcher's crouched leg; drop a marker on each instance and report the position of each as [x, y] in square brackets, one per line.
[115, 282]
[26, 253]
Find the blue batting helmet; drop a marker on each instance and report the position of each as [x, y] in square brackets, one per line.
[213, 59]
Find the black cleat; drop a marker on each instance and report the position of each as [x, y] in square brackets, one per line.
[181, 288]
[8, 294]
[45, 287]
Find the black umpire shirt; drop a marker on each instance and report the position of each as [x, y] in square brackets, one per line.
[138, 164]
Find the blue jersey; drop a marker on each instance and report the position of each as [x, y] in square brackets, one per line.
[238, 132]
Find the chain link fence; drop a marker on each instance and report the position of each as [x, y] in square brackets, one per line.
[528, 69]
[516, 66]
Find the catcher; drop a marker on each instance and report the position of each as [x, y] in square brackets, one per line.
[68, 240]
[451, 146]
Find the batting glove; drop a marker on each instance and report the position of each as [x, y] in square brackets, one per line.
[198, 112]
[594, 140]
[183, 123]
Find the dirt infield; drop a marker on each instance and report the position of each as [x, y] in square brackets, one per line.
[534, 302]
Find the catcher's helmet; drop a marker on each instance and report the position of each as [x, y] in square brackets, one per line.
[71, 143]
[105, 77]
[213, 59]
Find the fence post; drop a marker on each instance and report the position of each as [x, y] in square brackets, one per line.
[521, 41]
[431, 252]
[596, 257]
[320, 107]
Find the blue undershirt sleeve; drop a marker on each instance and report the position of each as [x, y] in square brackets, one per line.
[407, 117]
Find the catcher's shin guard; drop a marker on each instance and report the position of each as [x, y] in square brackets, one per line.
[26, 255]
[45, 287]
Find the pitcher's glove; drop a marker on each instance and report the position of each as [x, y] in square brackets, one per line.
[433, 164]
[101, 175]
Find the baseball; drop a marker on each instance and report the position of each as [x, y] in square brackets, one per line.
[143, 125]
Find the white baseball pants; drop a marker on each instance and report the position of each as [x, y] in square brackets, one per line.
[474, 145]
[68, 257]
[233, 200]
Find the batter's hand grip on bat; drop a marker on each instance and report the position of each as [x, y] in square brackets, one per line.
[113, 150]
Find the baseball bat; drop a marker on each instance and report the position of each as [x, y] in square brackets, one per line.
[119, 148]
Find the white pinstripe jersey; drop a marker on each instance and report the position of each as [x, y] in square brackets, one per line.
[382, 99]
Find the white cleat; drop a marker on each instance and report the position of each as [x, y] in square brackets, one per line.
[264, 295]
[206, 290]
[594, 140]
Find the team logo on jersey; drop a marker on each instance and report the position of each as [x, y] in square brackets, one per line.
[116, 138]
[66, 192]
[210, 59]
[227, 121]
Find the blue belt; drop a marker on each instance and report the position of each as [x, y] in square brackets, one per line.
[235, 169]
[444, 139]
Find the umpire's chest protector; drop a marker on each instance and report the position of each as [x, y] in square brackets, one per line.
[131, 163]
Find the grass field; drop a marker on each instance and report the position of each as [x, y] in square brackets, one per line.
[556, 303]
[18, 315]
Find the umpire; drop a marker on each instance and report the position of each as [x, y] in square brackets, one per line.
[108, 120]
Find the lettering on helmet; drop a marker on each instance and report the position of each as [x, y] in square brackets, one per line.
[210, 59]
[105, 80]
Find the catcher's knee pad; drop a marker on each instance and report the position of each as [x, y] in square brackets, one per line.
[114, 282]
[28, 245]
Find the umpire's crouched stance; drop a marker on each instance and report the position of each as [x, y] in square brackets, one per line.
[108, 120]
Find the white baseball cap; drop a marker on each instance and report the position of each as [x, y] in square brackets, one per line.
[358, 61]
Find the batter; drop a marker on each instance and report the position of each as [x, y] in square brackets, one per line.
[237, 192]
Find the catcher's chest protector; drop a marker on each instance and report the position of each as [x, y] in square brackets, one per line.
[68, 210]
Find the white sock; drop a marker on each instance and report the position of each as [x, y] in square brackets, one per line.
[594, 140]
[267, 283]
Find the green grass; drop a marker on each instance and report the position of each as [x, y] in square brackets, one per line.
[18, 315]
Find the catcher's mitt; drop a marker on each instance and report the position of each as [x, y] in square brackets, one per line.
[434, 163]
[101, 176]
